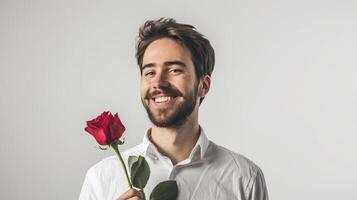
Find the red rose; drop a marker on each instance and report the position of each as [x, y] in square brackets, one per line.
[106, 128]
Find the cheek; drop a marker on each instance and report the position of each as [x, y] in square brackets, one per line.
[143, 89]
[187, 85]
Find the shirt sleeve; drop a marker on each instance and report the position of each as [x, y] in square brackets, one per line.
[91, 189]
[257, 189]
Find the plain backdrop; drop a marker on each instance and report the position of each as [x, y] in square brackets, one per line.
[283, 89]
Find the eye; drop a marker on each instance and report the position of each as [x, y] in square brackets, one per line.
[150, 73]
[176, 71]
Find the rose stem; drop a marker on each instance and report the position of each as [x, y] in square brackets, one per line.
[115, 147]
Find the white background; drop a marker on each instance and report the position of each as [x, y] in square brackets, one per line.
[283, 90]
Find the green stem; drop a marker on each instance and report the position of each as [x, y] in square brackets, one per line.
[115, 147]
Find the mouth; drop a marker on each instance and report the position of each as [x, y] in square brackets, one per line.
[163, 101]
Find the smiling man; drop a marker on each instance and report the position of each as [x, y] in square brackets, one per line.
[176, 63]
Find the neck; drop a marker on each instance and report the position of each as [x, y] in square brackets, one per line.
[176, 142]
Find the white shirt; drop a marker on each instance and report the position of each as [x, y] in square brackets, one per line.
[211, 172]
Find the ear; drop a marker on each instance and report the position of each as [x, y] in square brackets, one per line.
[204, 86]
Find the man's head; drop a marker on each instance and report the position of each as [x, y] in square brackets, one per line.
[175, 63]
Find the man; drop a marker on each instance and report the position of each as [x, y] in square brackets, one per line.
[176, 63]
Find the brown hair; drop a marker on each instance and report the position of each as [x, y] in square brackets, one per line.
[187, 35]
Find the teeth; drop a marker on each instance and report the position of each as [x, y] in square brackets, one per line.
[162, 99]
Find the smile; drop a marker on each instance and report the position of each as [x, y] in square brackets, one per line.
[163, 101]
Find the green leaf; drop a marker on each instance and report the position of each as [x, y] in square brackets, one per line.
[139, 171]
[166, 190]
[134, 166]
[131, 161]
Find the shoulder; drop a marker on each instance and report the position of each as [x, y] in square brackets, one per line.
[105, 179]
[234, 162]
[110, 164]
[241, 172]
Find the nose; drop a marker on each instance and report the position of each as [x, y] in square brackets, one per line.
[160, 80]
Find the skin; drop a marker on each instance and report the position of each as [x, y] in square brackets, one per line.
[163, 74]
[131, 194]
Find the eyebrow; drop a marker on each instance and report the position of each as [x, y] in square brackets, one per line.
[174, 62]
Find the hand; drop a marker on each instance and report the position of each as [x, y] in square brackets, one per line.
[131, 194]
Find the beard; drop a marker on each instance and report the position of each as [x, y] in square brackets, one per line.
[176, 115]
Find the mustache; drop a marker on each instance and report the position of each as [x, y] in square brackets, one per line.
[164, 90]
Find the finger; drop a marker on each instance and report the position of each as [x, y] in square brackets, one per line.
[129, 194]
[135, 198]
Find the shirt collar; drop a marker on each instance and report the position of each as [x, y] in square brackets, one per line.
[198, 151]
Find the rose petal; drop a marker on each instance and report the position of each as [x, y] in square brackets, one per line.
[116, 128]
[104, 122]
[98, 134]
[106, 128]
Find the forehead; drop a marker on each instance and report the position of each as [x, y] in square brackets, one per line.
[164, 50]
